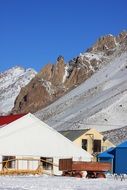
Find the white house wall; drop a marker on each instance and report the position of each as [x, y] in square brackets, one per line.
[32, 163]
[32, 137]
[28, 164]
[55, 168]
[29, 137]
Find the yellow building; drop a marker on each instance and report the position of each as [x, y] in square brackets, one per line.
[89, 139]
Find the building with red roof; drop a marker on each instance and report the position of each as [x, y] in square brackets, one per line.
[4, 120]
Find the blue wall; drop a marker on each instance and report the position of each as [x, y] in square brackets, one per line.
[117, 156]
[120, 161]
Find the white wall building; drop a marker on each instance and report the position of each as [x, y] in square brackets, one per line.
[30, 138]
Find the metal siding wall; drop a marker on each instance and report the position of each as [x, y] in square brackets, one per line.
[121, 160]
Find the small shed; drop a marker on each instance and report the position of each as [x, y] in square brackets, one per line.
[106, 156]
[120, 158]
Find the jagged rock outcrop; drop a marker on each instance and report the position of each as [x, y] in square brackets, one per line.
[53, 73]
[53, 81]
[33, 96]
[99, 102]
[105, 43]
[43, 89]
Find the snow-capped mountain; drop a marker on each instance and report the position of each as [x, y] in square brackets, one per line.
[11, 82]
[53, 81]
[100, 101]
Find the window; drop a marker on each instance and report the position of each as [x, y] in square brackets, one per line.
[84, 144]
[47, 163]
[97, 146]
[8, 161]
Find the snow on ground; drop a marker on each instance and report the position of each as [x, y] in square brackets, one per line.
[65, 73]
[112, 117]
[60, 183]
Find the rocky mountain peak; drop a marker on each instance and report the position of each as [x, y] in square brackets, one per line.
[122, 37]
[53, 72]
[44, 88]
[108, 43]
[60, 58]
[105, 44]
[58, 71]
[46, 72]
[54, 80]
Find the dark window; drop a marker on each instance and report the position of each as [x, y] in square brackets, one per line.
[8, 161]
[47, 163]
[84, 144]
[97, 146]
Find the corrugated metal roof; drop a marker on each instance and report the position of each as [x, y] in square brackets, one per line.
[73, 134]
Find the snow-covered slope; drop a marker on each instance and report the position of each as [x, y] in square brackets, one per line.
[11, 82]
[99, 102]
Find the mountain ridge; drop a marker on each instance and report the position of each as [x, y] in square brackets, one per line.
[99, 102]
[53, 81]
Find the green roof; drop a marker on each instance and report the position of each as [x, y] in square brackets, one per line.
[73, 134]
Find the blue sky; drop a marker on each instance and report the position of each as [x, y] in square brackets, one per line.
[35, 32]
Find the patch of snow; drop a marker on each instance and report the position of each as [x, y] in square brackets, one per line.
[92, 56]
[91, 67]
[116, 43]
[110, 35]
[106, 47]
[48, 86]
[65, 74]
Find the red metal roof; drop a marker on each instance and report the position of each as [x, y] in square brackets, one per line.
[4, 120]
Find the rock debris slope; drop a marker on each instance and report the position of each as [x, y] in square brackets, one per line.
[100, 101]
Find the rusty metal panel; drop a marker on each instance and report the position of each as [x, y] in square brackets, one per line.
[65, 164]
[91, 166]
